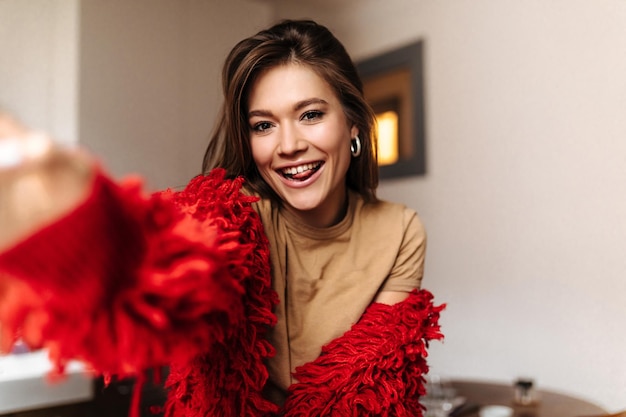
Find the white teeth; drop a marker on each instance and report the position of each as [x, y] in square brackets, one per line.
[299, 169]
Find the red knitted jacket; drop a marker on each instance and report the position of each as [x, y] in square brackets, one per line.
[127, 282]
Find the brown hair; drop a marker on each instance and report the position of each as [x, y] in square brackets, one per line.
[304, 42]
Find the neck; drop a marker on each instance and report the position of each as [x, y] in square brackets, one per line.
[322, 217]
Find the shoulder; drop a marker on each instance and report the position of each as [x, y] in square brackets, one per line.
[389, 214]
[393, 236]
[391, 228]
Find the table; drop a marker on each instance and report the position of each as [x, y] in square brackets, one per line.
[550, 404]
[115, 400]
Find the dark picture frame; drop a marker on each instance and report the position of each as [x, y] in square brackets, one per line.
[397, 77]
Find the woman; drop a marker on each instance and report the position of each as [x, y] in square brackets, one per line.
[349, 327]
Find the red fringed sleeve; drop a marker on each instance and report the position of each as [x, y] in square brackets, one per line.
[228, 379]
[374, 369]
[126, 281]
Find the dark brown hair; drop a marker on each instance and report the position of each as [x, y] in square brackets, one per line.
[303, 42]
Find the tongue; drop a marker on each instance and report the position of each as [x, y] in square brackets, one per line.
[301, 176]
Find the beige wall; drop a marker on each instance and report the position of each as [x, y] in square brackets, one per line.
[150, 80]
[135, 82]
[524, 199]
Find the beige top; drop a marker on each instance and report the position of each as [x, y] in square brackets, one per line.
[326, 278]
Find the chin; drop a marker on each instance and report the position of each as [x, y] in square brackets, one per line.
[301, 207]
[302, 203]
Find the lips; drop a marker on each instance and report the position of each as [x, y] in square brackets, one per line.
[300, 172]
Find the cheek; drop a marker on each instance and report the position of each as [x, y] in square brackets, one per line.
[341, 155]
[346, 157]
[334, 139]
[342, 149]
[260, 153]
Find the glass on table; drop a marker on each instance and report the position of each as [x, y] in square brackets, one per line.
[441, 397]
[525, 393]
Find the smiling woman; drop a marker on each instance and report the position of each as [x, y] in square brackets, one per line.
[303, 150]
[276, 283]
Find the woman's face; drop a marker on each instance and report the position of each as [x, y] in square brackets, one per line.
[300, 140]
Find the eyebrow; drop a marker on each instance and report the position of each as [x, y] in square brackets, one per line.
[298, 106]
[304, 103]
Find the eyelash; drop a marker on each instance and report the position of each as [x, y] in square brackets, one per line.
[312, 115]
[315, 113]
[261, 127]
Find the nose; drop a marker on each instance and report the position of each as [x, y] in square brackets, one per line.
[290, 141]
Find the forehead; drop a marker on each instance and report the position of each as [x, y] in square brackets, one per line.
[287, 84]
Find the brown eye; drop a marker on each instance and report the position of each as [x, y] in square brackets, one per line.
[262, 127]
[311, 115]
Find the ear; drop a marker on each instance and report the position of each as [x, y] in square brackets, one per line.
[354, 131]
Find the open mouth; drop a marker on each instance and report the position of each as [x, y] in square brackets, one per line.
[301, 172]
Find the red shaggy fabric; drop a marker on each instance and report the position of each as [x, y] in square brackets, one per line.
[127, 282]
[374, 369]
[228, 380]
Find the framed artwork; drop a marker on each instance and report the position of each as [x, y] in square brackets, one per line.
[394, 87]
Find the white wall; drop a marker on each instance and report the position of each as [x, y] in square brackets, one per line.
[38, 64]
[525, 196]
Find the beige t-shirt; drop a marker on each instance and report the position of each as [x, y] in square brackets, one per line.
[325, 278]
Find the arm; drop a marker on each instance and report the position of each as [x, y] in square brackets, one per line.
[125, 281]
[391, 297]
[117, 278]
[374, 369]
[409, 264]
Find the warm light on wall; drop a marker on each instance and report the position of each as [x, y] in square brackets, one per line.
[387, 125]
[393, 86]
